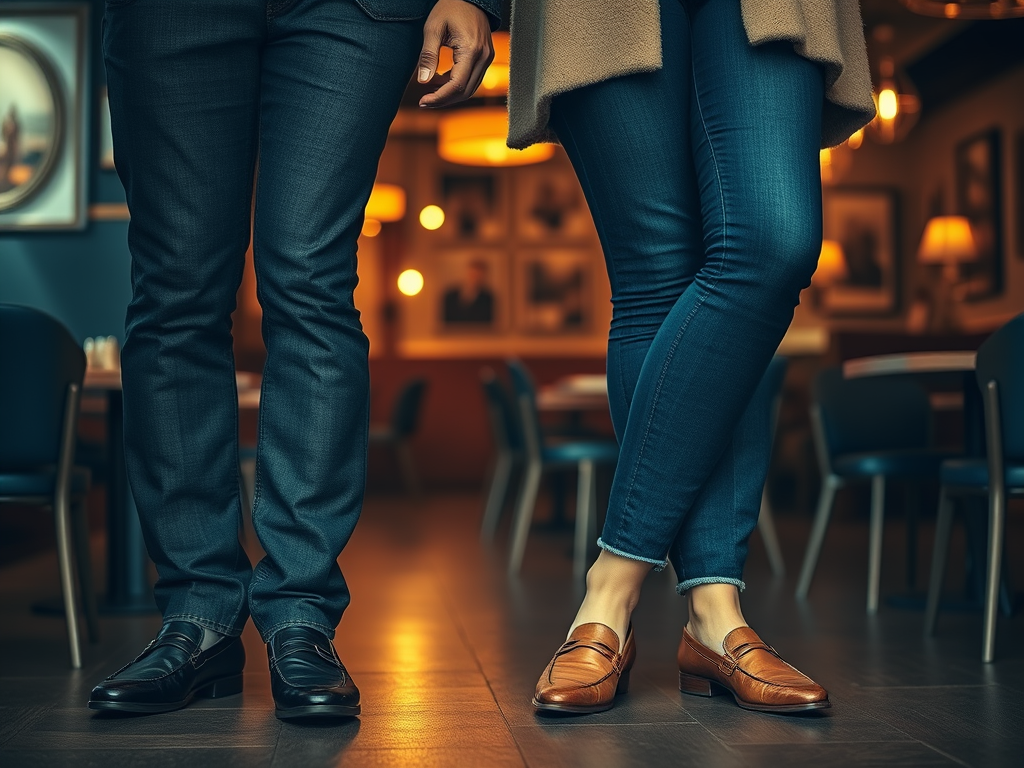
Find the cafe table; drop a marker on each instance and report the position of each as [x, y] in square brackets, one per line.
[128, 587]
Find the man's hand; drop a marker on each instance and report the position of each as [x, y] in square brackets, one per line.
[464, 28]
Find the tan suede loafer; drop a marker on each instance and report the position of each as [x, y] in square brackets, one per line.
[587, 672]
[751, 671]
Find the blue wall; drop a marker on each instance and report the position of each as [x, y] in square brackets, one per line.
[80, 277]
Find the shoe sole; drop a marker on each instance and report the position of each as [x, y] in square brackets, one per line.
[693, 685]
[215, 689]
[317, 711]
[572, 709]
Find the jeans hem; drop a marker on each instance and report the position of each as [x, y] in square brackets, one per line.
[689, 584]
[659, 565]
[230, 630]
[269, 633]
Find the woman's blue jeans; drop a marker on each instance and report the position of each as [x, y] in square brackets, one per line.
[703, 181]
[198, 89]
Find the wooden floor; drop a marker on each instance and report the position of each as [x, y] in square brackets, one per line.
[446, 651]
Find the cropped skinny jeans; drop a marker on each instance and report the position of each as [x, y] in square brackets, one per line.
[703, 181]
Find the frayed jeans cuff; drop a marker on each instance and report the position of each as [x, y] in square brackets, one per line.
[683, 586]
[659, 565]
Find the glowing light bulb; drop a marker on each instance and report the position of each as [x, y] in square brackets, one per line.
[371, 227]
[410, 282]
[432, 217]
[888, 104]
[856, 139]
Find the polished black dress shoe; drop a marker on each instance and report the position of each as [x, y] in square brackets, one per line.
[307, 678]
[172, 671]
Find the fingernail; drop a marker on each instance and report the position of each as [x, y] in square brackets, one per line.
[424, 74]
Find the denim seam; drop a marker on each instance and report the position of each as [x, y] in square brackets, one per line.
[225, 629]
[689, 584]
[659, 564]
[274, 629]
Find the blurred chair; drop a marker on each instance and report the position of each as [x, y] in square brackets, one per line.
[772, 381]
[1000, 373]
[398, 432]
[585, 455]
[873, 429]
[40, 390]
[508, 447]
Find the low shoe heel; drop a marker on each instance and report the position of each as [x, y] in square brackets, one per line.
[623, 686]
[695, 686]
[227, 686]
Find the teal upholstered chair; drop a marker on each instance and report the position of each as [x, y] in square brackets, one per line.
[40, 389]
[398, 432]
[508, 448]
[1000, 373]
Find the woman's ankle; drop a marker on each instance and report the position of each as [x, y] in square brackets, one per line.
[714, 612]
[613, 591]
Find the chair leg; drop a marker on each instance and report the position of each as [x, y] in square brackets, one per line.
[586, 511]
[875, 540]
[524, 515]
[766, 525]
[940, 549]
[910, 503]
[996, 528]
[407, 465]
[828, 494]
[62, 518]
[80, 530]
[496, 496]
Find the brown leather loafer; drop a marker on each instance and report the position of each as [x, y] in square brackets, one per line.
[751, 671]
[587, 672]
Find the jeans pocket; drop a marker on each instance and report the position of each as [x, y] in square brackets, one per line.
[396, 10]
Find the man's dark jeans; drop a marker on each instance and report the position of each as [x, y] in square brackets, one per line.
[198, 90]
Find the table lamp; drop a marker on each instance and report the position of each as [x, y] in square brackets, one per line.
[949, 242]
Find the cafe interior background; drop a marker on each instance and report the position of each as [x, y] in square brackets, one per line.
[455, 213]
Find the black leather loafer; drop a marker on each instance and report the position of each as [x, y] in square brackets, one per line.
[307, 677]
[172, 671]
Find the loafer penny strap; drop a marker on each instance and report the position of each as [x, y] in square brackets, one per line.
[732, 658]
[600, 648]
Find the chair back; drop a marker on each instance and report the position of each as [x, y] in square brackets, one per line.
[526, 398]
[501, 413]
[1001, 359]
[41, 361]
[883, 413]
[770, 387]
[405, 415]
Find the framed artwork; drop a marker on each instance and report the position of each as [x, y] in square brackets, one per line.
[106, 134]
[554, 292]
[475, 205]
[43, 58]
[471, 291]
[979, 198]
[549, 205]
[863, 222]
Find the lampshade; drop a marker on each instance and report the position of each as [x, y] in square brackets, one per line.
[947, 240]
[831, 264]
[967, 9]
[387, 203]
[477, 137]
[495, 82]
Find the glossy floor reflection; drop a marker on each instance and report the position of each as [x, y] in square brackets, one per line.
[446, 651]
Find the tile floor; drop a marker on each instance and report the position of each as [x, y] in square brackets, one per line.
[446, 651]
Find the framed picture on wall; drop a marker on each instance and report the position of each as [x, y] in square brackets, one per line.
[863, 222]
[472, 291]
[475, 205]
[979, 198]
[554, 292]
[43, 58]
[549, 204]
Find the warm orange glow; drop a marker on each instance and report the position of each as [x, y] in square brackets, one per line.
[477, 137]
[410, 282]
[387, 203]
[831, 264]
[952, 10]
[371, 227]
[947, 239]
[856, 139]
[888, 104]
[432, 217]
[19, 174]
